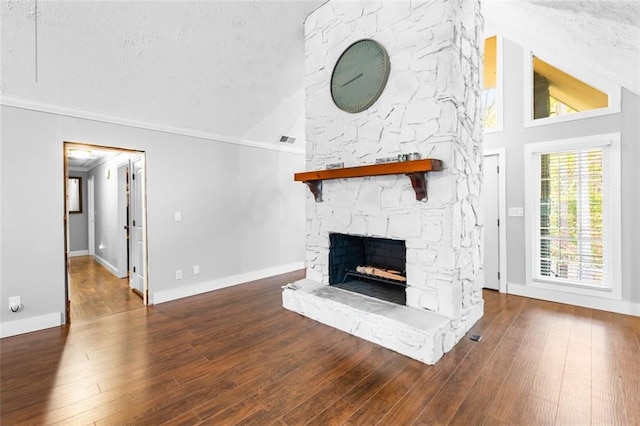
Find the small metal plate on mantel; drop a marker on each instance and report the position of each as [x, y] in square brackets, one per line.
[386, 160]
[335, 166]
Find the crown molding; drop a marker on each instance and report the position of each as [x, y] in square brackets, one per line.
[34, 105]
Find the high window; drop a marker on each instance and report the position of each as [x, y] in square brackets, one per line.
[491, 94]
[555, 93]
[573, 215]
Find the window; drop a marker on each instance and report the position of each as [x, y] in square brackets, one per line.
[572, 198]
[557, 93]
[553, 94]
[570, 237]
[490, 95]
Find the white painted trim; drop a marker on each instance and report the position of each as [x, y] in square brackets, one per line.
[613, 91]
[122, 201]
[199, 288]
[585, 301]
[28, 325]
[106, 264]
[34, 105]
[611, 166]
[78, 253]
[502, 213]
[143, 211]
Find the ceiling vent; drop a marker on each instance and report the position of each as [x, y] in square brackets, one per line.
[287, 139]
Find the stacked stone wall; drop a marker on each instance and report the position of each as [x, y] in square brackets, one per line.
[431, 106]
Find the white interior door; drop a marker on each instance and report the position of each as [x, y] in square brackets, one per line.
[137, 223]
[490, 197]
[122, 261]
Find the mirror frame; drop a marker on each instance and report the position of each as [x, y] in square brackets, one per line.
[75, 193]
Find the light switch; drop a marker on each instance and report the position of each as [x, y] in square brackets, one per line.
[516, 211]
[196, 269]
[177, 216]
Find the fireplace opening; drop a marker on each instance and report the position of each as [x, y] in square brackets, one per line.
[371, 266]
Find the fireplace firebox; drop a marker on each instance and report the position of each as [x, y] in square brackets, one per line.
[371, 266]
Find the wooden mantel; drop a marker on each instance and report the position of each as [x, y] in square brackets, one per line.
[416, 171]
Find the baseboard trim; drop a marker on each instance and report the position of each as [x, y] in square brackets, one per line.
[199, 288]
[28, 325]
[34, 105]
[107, 265]
[78, 253]
[609, 305]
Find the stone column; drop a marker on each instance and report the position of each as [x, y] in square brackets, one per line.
[431, 105]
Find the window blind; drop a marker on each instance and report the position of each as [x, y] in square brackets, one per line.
[572, 220]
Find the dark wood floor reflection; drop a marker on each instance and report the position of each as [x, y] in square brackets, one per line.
[95, 291]
[235, 356]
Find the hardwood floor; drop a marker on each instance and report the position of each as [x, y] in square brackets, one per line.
[235, 356]
[95, 291]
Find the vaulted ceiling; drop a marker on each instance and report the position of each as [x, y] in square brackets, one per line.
[235, 68]
[602, 36]
[228, 68]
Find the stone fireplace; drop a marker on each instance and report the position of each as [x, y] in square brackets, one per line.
[430, 106]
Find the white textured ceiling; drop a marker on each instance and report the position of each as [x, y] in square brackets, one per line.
[230, 68]
[602, 36]
[235, 68]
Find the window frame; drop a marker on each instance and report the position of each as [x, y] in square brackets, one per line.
[610, 144]
[613, 91]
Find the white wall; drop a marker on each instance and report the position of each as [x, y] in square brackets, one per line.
[110, 206]
[243, 215]
[513, 139]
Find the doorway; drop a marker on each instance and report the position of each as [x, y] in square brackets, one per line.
[109, 273]
[493, 199]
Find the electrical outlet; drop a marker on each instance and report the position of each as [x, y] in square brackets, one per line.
[196, 269]
[178, 274]
[15, 303]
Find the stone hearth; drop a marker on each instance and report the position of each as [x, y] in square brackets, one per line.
[412, 332]
[431, 106]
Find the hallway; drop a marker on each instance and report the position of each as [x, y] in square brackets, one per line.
[96, 292]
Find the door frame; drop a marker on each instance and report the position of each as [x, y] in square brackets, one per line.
[502, 214]
[66, 145]
[91, 215]
[137, 195]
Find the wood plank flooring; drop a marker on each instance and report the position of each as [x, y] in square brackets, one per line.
[95, 291]
[235, 356]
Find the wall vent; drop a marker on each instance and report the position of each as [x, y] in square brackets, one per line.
[287, 139]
